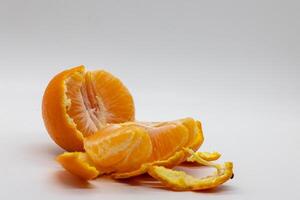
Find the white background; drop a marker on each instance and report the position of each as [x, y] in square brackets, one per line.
[234, 65]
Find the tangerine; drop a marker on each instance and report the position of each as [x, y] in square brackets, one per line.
[77, 103]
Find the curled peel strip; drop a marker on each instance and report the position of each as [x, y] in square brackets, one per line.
[208, 156]
[179, 180]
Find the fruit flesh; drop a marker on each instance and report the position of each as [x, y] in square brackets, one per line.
[179, 156]
[95, 101]
[77, 103]
[158, 134]
[176, 158]
[169, 137]
[126, 150]
[123, 148]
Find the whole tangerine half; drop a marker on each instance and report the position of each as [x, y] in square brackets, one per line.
[77, 103]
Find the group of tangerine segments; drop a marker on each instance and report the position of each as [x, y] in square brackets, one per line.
[91, 115]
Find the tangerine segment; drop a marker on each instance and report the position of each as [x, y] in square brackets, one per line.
[197, 141]
[193, 129]
[127, 149]
[170, 137]
[78, 164]
[166, 152]
[114, 98]
[123, 149]
[167, 139]
[172, 161]
[77, 104]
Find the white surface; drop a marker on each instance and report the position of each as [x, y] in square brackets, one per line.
[233, 65]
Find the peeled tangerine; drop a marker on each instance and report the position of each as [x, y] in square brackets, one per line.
[91, 114]
[133, 148]
[77, 103]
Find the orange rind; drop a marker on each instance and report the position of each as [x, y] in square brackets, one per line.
[78, 164]
[179, 180]
[208, 156]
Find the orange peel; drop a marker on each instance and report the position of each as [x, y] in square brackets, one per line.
[208, 156]
[179, 180]
[78, 164]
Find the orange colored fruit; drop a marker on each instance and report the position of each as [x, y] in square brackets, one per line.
[133, 148]
[123, 148]
[93, 111]
[78, 103]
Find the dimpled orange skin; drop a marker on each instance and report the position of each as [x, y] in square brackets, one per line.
[54, 113]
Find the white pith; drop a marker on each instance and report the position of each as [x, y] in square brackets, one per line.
[88, 109]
